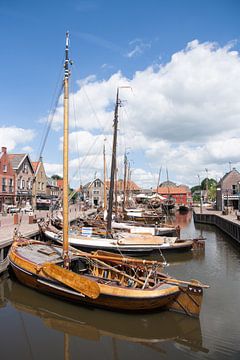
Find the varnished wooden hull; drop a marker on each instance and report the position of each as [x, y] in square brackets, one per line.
[25, 263]
[101, 284]
[108, 301]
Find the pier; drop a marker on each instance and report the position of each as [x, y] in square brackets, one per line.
[228, 223]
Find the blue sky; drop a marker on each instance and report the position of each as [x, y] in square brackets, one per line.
[154, 46]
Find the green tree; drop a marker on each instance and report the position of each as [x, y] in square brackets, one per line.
[212, 188]
[195, 190]
[56, 177]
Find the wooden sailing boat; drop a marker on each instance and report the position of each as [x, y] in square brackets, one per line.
[99, 279]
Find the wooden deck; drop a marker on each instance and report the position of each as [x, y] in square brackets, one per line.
[26, 228]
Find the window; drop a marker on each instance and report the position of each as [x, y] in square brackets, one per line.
[10, 185]
[95, 192]
[25, 168]
[97, 183]
[4, 185]
[23, 184]
[4, 168]
[29, 184]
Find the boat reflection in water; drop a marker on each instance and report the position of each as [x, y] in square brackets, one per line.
[150, 330]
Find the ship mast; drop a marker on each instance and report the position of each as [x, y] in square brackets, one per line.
[124, 182]
[104, 169]
[65, 254]
[113, 166]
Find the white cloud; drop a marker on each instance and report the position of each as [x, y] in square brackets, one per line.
[27, 149]
[12, 136]
[184, 114]
[53, 169]
[137, 47]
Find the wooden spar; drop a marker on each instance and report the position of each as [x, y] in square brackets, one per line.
[119, 272]
[124, 181]
[113, 166]
[116, 191]
[65, 157]
[113, 257]
[183, 282]
[128, 181]
[104, 169]
[75, 281]
[159, 176]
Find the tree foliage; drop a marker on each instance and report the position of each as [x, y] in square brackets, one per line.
[56, 177]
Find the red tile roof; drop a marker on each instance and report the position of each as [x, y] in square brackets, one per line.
[120, 185]
[172, 190]
[35, 165]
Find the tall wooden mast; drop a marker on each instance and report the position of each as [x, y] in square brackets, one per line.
[113, 166]
[124, 181]
[65, 155]
[104, 170]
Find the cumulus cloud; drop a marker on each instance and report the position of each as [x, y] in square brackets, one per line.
[184, 114]
[12, 136]
[53, 169]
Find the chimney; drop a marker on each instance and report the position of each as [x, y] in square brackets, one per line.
[4, 149]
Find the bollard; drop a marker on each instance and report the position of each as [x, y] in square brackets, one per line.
[15, 219]
[30, 218]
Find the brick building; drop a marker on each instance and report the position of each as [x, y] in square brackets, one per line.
[228, 191]
[39, 189]
[93, 192]
[181, 193]
[24, 177]
[7, 180]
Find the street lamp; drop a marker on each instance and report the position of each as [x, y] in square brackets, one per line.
[200, 193]
[206, 185]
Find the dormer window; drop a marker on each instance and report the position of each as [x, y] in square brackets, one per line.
[97, 183]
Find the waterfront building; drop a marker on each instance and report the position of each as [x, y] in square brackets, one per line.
[52, 188]
[7, 180]
[24, 177]
[228, 191]
[93, 192]
[181, 193]
[39, 189]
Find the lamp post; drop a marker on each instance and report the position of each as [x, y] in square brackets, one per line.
[207, 185]
[200, 193]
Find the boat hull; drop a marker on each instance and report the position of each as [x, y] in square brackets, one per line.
[122, 246]
[117, 302]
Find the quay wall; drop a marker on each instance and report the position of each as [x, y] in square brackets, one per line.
[229, 226]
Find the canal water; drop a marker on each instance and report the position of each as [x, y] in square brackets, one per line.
[35, 326]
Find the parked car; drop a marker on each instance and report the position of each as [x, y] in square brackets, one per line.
[13, 209]
[27, 208]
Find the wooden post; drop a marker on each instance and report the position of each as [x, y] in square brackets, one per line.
[65, 157]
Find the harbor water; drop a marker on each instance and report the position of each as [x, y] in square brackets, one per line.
[35, 326]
